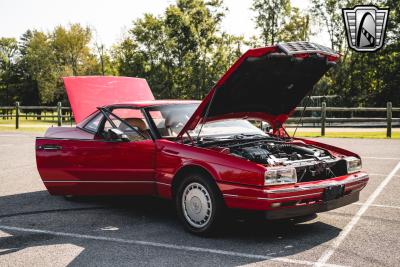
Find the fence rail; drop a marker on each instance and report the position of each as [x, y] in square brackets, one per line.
[18, 111]
[65, 114]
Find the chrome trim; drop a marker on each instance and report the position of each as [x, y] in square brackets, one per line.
[274, 198]
[295, 196]
[164, 184]
[317, 186]
[133, 182]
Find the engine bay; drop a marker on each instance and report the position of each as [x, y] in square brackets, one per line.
[311, 162]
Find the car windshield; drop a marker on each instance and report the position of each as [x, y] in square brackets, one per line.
[170, 119]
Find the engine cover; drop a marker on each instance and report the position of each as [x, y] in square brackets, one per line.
[255, 153]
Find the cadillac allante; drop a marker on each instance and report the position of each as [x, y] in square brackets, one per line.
[208, 157]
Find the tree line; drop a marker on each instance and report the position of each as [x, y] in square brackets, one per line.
[184, 51]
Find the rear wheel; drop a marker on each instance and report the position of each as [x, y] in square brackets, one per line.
[199, 204]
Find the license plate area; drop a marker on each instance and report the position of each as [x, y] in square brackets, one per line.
[333, 192]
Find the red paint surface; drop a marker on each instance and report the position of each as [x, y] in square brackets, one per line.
[87, 165]
[87, 93]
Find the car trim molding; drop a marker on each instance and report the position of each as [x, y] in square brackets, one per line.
[72, 181]
[79, 181]
[267, 198]
[355, 187]
[317, 186]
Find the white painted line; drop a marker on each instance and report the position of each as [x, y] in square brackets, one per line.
[378, 205]
[380, 158]
[13, 135]
[165, 245]
[346, 230]
[380, 174]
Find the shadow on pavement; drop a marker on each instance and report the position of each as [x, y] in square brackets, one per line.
[145, 219]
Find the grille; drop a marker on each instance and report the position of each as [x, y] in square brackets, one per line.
[291, 48]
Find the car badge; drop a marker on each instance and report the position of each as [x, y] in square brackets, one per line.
[365, 27]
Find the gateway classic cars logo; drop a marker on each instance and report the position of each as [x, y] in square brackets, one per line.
[365, 27]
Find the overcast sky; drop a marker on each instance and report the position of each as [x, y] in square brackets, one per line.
[112, 18]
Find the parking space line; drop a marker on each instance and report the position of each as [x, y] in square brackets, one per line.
[378, 205]
[380, 174]
[380, 158]
[165, 245]
[346, 230]
[14, 135]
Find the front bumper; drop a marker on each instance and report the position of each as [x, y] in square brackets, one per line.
[322, 206]
[298, 199]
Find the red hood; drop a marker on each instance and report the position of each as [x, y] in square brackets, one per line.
[86, 93]
[265, 83]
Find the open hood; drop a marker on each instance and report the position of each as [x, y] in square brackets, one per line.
[86, 93]
[265, 83]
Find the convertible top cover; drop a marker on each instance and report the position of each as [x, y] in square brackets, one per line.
[86, 93]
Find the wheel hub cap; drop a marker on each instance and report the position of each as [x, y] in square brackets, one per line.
[196, 203]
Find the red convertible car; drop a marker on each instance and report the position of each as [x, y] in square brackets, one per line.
[206, 156]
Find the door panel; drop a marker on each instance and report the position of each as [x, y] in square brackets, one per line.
[96, 167]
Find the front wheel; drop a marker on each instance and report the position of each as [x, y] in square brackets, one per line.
[199, 204]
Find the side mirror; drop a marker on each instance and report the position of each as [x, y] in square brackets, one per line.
[117, 135]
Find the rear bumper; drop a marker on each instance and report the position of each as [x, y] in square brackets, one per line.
[293, 200]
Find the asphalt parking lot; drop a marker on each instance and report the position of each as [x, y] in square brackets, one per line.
[37, 229]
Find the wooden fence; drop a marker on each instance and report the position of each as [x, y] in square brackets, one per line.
[64, 114]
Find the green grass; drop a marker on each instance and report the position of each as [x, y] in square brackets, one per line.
[41, 130]
[374, 135]
[30, 125]
[30, 121]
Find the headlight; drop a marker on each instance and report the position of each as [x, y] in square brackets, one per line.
[280, 175]
[353, 164]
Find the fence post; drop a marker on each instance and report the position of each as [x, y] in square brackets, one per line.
[59, 113]
[389, 119]
[323, 118]
[16, 115]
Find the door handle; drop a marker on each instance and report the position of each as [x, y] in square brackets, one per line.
[50, 147]
[171, 151]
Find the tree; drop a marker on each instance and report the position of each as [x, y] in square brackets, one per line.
[297, 28]
[40, 60]
[270, 18]
[329, 13]
[42, 66]
[181, 53]
[71, 47]
[8, 52]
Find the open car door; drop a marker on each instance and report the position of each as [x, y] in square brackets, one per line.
[114, 159]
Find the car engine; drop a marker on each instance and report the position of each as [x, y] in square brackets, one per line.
[311, 163]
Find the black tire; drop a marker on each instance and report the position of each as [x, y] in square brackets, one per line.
[214, 220]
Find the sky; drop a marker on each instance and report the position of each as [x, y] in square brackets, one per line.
[112, 19]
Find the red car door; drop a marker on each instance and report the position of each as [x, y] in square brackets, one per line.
[97, 166]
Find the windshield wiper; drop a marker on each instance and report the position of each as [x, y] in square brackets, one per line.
[248, 136]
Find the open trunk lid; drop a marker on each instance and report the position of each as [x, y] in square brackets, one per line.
[86, 93]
